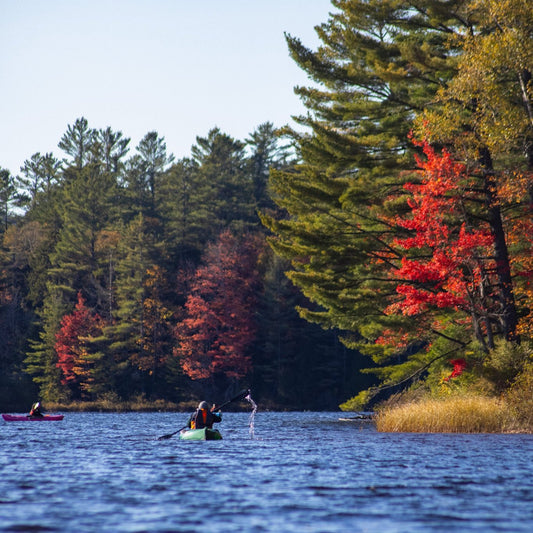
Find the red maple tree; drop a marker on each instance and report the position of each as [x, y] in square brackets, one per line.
[447, 259]
[72, 344]
[219, 325]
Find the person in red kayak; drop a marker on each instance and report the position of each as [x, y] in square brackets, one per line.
[36, 409]
[204, 417]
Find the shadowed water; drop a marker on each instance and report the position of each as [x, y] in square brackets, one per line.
[302, 472]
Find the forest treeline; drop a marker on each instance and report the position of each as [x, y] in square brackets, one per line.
[392, 232]
[127, 274]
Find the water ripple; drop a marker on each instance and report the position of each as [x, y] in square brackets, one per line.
[297, 472]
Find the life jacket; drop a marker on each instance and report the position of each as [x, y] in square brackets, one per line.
[201, 419]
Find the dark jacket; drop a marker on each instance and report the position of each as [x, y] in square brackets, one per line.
[202, 418]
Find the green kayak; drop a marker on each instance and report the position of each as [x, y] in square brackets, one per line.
[200, 434]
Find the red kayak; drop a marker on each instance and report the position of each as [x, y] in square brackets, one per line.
[26, 418]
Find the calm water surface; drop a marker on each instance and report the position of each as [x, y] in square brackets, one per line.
[302, 472]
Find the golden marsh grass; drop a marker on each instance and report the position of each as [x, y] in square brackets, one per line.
[465, 414]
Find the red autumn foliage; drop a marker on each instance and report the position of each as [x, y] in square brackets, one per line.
[71, 345]
[449, 269]
[459, 366]
[219, 325]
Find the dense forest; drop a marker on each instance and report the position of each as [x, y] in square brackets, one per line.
[136, 276]
[384, 244]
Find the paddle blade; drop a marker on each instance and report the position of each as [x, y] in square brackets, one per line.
[241, 396]
[237, 398]
[163, 437]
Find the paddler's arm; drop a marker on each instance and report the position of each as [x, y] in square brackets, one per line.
[217, 416]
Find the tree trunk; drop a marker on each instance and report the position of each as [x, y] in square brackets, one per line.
[501, 253]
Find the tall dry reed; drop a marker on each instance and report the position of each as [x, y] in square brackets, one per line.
[464, 414]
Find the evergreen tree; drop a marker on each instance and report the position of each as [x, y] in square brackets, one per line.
[266, 153]
[84, 204]
[25, 260]
[296, 363]
[41, 359]
[39, 175]
[135, 196]
[40, 186]
[106, 248]
[86, 209]
[7, 196]
[381, 63]
[358, 143]
[78, 143]
[226, 188]
[277, 337]
[154, 160]
[143, 176]
[113, 148]
[138, 336]
[185, 212]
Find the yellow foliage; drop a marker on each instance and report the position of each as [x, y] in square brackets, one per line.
[490, 91]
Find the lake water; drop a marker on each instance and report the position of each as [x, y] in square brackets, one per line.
[302, 472]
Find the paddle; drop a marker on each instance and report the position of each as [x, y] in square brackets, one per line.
[162, 437]
[240, 396]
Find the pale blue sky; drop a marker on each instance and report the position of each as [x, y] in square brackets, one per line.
[179, 67]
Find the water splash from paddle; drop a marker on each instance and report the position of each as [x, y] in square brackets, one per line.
[251, 421]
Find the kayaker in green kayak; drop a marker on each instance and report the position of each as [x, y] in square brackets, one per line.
[204, 417]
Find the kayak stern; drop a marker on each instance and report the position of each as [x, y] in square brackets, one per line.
[200, 434]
